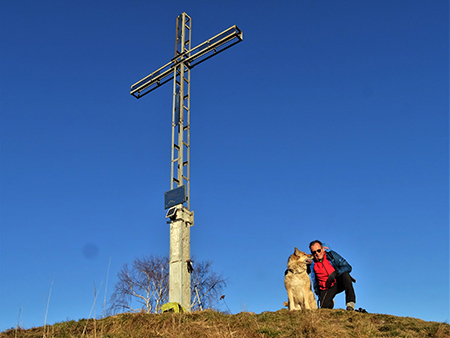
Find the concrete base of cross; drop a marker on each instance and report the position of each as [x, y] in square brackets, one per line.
[180, 255]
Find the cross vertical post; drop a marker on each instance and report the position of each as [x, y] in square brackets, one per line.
[181, 217]
[180, 169]
[180, 253]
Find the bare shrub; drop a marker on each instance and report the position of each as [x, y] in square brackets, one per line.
[206, 286]
[144, 286]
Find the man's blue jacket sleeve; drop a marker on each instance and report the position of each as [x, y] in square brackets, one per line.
[339, 263]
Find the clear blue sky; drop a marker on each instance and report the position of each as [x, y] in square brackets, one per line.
[329, 121]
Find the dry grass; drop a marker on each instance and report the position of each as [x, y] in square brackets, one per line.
[210, 324]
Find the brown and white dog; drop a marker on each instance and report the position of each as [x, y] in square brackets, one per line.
[297, 282]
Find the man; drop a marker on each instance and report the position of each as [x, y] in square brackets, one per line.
[331, 275]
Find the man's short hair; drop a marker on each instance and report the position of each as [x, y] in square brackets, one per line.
[314, 242]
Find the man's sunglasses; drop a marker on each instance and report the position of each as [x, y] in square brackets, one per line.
[317, 251]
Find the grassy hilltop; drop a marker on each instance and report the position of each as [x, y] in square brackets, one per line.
[283, 323]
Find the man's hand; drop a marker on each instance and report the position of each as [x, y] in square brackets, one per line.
[331, 279]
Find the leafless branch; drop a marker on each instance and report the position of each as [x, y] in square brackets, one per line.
[146, 284]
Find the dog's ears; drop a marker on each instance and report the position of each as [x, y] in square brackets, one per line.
[297, 252]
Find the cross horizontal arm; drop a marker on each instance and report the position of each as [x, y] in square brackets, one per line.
[213, 46]
[191, 58]
[152, 81]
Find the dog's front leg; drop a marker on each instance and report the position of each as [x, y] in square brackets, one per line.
[290, 300]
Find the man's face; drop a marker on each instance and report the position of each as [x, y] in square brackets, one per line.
[317, 251]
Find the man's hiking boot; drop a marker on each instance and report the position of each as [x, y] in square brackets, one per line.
[350, 306]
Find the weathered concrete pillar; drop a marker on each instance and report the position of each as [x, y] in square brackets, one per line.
[180, 254]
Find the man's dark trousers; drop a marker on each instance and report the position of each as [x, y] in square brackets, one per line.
[343, 283]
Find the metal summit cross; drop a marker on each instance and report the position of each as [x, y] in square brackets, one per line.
[181, 218]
